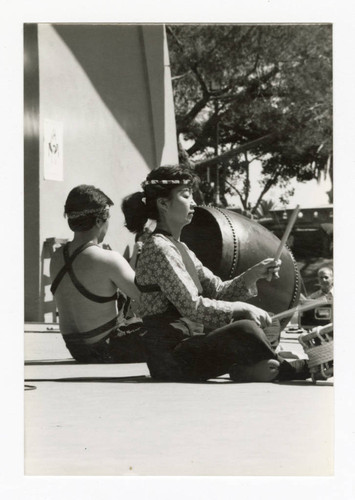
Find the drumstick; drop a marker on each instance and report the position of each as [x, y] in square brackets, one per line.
[306, 307]
[286, 234]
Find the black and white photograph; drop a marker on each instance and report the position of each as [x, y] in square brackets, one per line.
[180, 267]
[192, 272]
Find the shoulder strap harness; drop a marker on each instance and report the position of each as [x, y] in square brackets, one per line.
[67, 268]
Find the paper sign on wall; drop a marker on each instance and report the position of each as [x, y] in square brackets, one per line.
[53, 150]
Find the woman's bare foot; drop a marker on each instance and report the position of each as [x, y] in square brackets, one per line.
[264, 371]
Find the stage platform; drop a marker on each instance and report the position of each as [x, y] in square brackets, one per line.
[114, 420]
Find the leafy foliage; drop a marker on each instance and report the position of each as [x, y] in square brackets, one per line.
[266, 84]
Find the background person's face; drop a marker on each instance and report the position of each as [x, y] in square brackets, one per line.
[325, 278]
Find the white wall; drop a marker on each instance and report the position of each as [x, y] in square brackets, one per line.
[103, 99]
[109, 88]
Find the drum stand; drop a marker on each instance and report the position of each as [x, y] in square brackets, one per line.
[318, 345]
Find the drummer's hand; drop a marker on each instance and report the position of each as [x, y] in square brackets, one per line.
[242, 310]
[266, 269]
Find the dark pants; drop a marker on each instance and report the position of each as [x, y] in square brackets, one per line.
[115, 349]
[172, 356]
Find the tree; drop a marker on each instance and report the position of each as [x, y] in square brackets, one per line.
[253, 92]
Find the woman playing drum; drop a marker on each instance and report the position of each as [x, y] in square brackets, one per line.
[198, 327]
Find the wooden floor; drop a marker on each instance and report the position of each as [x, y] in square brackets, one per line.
[114, 420]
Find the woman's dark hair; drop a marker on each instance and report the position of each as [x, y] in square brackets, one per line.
[84, 205]
[141, 206]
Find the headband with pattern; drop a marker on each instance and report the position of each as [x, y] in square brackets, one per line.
[87, 211]
[166, 182]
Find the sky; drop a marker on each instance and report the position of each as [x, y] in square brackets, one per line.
[307, 194]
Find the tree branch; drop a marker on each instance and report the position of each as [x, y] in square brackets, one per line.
[247, 179]
[266, 188]
[234, 152]
[183, 122]
[179, 77]
[236, 190]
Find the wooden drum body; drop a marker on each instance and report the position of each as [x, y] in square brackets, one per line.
[228, 243]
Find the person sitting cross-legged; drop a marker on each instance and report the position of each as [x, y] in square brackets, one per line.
[198, 327]
[87, 282]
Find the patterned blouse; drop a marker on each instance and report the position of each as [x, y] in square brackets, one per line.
[198, 295]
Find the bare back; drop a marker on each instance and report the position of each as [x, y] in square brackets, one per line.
[93, 269]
